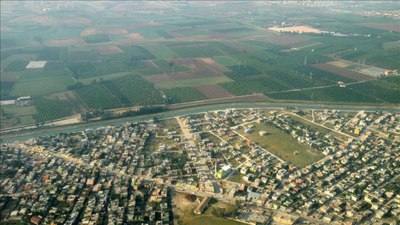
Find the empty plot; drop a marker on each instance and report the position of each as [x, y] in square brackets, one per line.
[213, 91]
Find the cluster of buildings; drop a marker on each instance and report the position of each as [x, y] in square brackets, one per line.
[124, 174]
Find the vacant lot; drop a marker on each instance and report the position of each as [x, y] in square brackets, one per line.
[213, 91]
[342, 72]
[183, 211]
[283, 145]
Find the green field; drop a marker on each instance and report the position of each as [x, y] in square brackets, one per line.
[50, 109]
[375, 91]
[161, 51]
[97, 97]
[249, 57]
[17, 115]
[96, 38]
[184, 94]
[144, 92]
[194, 82]
[38, 87]
[282, 145]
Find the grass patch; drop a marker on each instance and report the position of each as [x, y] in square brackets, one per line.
[237, 177]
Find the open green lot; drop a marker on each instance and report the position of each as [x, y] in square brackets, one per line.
[283, 145]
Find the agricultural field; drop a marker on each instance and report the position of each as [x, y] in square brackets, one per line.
[282, 145]
[213, 91]
[160, 51]
[375, 91]
[125, 59]
[13, 116]
[194, 82]
[183, 94]
[50, 109]
[144, 92]
[40, 87]
[97, 97]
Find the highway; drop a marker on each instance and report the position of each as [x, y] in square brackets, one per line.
[187, 111]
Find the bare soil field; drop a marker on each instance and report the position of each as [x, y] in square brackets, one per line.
[284, 40]
[341, 64]
[109, 50]
[342, 72]
[89, 31]
[135, 36]
[297, 29]
[213, 65]
[65, 42]
[212, 91]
